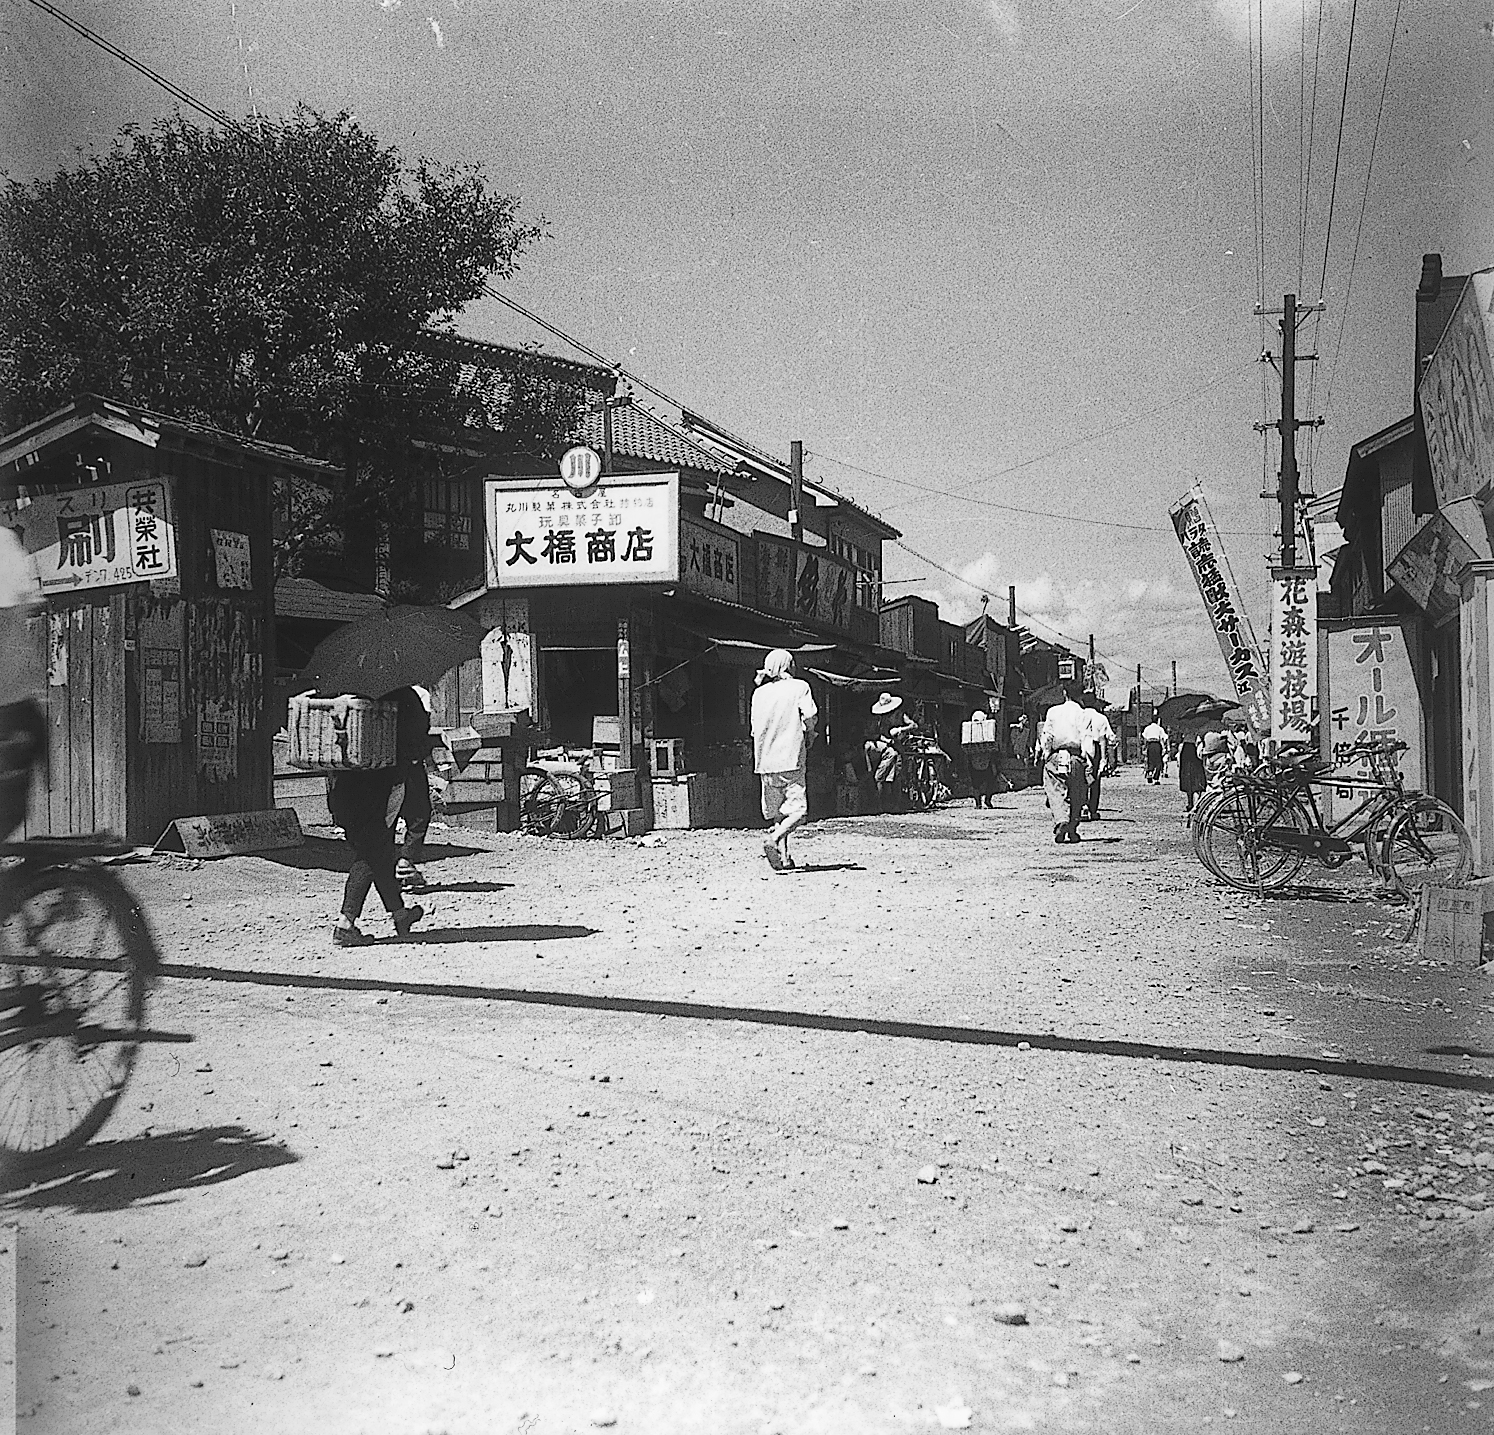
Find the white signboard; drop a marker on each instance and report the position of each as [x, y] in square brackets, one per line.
[1456, 394]
[1372, 693]
[231, 558]
[541, 535]
[98, 537]
[1294, 653]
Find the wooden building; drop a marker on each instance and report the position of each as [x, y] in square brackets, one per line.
[152, 539]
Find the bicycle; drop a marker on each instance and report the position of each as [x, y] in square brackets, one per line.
[77, 959]
[924, 764]
[558, 798]
[1257, 831]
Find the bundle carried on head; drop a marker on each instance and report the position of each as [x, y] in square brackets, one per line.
[778, 664]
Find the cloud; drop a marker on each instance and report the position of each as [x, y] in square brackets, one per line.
[436, 31]
[1004, 19]
[1151, 621]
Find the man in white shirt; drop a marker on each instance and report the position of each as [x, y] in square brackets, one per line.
[1099, 736]
[783, 719]
[1154, 741]
[1063, 747]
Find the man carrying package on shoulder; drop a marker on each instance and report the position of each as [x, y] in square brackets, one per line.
[783, 720]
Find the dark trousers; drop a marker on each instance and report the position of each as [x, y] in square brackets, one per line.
[416, 810]
[1094, 789]
[1154, 762]
[359, 802]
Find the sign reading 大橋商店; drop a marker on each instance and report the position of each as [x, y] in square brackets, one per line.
[98, 537]
[1242, 654]
[540, 534]
[1294, 653]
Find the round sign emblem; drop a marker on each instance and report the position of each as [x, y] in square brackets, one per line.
[581, 468]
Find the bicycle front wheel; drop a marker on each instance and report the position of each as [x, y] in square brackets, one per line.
[1233, 840]
[1426, 846]
[75, 958]
[556, 804]
[923, 784]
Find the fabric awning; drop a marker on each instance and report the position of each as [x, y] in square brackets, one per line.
[875, 684]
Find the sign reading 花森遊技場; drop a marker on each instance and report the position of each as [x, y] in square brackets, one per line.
[1242, 655]
[1294, 653]
[541, 535]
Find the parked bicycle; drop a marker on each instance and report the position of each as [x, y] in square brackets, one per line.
[76, 962]
[925, 769]
[1259, 828]
[558, 798]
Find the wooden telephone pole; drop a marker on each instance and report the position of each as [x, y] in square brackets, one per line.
[1292, 314]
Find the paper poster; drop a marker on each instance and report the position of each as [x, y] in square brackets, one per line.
[231, 558]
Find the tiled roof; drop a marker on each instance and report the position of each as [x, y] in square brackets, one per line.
[639, 434]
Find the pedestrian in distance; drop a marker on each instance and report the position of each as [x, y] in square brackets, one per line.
[1100, 737]
[783, 728]
[365, 802]
[982, 765]
[1191, 779]
[1063, 753]
[1022, 745]
[884, 759]
[1154, 740]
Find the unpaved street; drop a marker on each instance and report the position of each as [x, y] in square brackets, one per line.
[645, 1138]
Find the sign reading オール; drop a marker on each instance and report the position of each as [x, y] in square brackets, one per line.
[1237, 642]
[98, 537]
[541, 535]
[1372, 693]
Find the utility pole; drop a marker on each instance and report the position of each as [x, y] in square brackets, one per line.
[1011, 606]
[1089, 672]
[1287, 426]
[796, 489]
[1174, 677]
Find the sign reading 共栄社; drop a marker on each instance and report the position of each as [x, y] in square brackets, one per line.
[541, 535]
[99, 536]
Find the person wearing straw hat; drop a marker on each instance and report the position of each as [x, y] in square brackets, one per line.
[883, 759]
[783, 719]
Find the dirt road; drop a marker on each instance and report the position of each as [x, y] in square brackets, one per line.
[953, 1127]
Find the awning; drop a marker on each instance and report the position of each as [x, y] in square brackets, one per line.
[305, 598]
[876, 684]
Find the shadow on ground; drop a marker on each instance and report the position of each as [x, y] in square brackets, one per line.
[113, 1175]
[871, 1026]
[329, 854]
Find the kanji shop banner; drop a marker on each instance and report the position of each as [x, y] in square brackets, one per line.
[1294, 653]
[1372, 691]
[98, 537]
[541, 535]
[1237, 641]
[1456, 398]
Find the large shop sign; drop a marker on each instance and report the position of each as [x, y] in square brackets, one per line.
[1429, 568]
[541, 535]
[710, 559]
[1242, 654]
[1456, 396]
[807, 583]
[1372, 692]
[98, 537]
[1294, 653]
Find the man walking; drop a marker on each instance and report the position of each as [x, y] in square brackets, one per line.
[1154, 738]
[1063, 753]
[783, 719]
[1099, 737]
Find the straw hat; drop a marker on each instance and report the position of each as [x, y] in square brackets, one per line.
[887, 703]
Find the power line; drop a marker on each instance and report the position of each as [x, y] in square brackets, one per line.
[1338, 148]
[1363, 204]
[175, 90]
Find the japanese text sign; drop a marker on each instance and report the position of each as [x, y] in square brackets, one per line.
[1294, 653]
[231, 558]
[99, 536]
[1372, 692]
[1237, 641]
[541, 535]
[710, 560]
[1456, 395]
[804, 582]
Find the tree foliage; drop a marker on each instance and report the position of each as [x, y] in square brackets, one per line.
[273, 281]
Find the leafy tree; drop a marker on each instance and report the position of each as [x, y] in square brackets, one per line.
[272, 280]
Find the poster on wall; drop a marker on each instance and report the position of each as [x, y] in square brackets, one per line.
[507, 655]
[1372, 693]
[1194, 525]
[1294, 653]
[541, 535]
[100, 536]
[231, 558]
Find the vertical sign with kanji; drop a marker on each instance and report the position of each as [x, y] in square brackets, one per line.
[1294, 653]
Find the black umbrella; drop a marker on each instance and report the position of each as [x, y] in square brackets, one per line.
[1191, 707]
[393, 648]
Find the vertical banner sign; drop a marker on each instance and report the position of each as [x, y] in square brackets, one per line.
[1372, 693]
[1237, 641]
[1294, 653]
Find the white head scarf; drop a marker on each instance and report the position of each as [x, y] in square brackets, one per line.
[778, 664]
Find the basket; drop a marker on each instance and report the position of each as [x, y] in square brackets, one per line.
[338, 734]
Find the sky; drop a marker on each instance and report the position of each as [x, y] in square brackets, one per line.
[1001, 250]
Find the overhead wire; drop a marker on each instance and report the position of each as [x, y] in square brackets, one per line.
[1363, 204]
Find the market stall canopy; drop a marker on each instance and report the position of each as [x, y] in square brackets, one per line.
[397, 647]
[878, 682]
